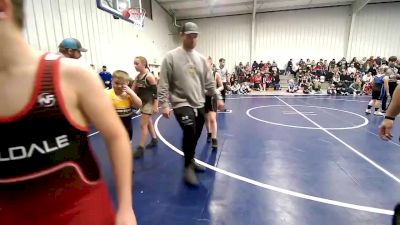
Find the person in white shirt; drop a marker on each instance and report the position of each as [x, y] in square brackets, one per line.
[351, 69]
[223, 72]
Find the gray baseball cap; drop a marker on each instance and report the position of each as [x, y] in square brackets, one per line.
[190, 28]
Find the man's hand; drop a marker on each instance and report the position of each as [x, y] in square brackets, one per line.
[385, 129]
[155, 108]
[166, 112]
[220, 105]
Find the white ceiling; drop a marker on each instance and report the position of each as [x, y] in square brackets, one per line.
[189, 9]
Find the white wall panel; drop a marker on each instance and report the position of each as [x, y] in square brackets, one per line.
[63, 10]
[30, 25]
[225, 37]
[56, 18]
[49, 23]
[41, 26]
[312, 33]
[76, 18]
[110, 42]
[376, 31]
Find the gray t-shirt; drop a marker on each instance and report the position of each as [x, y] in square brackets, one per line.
[392, 74]
[223, 73]
[183, 78]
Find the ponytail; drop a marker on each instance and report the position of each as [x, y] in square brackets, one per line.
[143, 60]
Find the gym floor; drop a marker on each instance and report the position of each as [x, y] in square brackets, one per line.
[282, 160]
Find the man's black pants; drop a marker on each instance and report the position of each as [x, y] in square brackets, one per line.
[191, 121]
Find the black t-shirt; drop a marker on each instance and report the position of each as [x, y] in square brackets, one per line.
[276, 78]
[255, 66]
[379, 61]
[357, 65]
[373, 71]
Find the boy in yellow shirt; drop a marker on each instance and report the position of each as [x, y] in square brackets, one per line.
[123, 98]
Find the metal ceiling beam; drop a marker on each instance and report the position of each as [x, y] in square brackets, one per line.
[217, 2]
[358, 5]
[253, 31]
[350, 35]
[198, 4]
[265, 8]
[300, 7]
[184, 16]
[202, 4]
[166, 1]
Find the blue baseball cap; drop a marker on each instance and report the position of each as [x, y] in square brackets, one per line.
[72, 43]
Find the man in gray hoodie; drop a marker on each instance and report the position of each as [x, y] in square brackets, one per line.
[184, 80]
